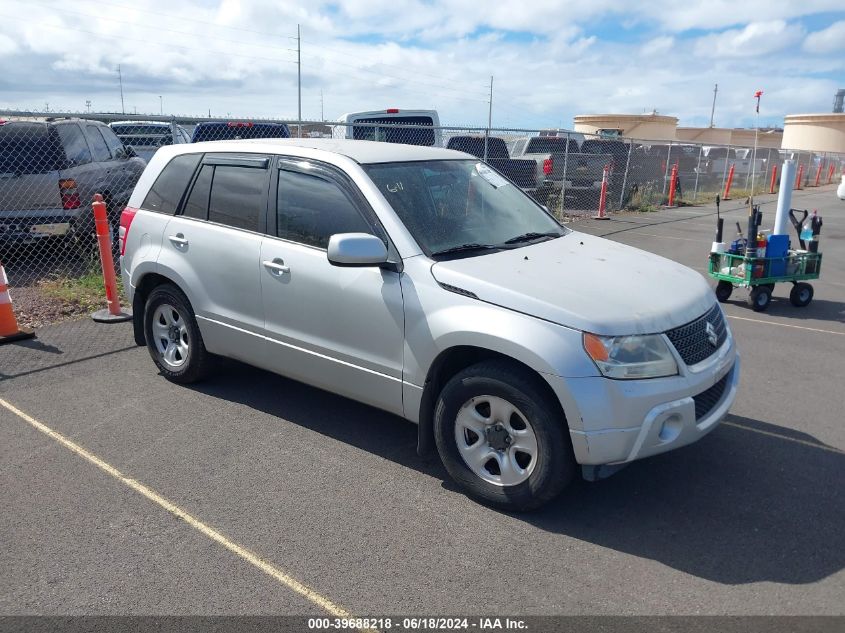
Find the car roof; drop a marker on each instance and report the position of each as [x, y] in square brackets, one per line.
[365, 152]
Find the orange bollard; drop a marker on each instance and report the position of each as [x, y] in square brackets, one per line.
[727, 195]
[818, 174]
[830, 171]
[9, 330]
[774, 179]
[603, 195]
[112, 313]
[799, 177]
[672, 183]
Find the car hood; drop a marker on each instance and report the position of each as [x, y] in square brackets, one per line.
[584, 282]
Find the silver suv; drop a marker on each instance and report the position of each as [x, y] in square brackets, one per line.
[422, 282]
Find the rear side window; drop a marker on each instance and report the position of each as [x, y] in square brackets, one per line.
[166, 193]
[74, 143]
[238, 196]
[99, 149]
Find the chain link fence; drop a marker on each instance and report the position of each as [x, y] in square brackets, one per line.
[52, 165]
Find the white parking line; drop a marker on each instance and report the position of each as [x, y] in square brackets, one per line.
[797, 327]
[822, 447]
[271, 570]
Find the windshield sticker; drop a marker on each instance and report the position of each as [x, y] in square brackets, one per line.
[395, 187]
[490, 176]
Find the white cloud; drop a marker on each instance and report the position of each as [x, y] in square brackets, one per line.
[234, 56]
[827, 40]
[718, 14]
[7, 45]
[657, 46]
[754, 40]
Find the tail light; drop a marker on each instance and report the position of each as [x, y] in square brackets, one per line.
[70, 196]
[548, 166]
[239, 124]
[392, 111]
[125, 222]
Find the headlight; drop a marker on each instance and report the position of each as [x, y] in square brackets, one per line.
[631, 357]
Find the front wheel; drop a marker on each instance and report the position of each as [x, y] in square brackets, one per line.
[173, 337]
[724, 290]
[501, 437]
[759, 298]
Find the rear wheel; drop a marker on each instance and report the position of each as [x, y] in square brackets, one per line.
[173, 337]
[801, 294]
[501, 437]
[759, 298]
[724, 290]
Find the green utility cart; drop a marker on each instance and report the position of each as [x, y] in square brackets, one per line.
[760, 274]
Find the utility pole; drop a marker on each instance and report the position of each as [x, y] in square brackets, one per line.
[299, 81]
[713, 109]
[88, 106]
[757, 96]
[160, 105]
[489, 118]
[120, 79]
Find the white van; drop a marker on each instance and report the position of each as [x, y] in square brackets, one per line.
[366, 126]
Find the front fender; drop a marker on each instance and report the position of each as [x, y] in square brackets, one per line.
[437, 319]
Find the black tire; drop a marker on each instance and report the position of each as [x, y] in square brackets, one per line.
[759, 298]
[724, 290]
[801, 294]
[555, 464]
[192, 366]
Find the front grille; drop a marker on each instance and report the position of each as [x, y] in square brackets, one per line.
[692, 340]
[706, 400]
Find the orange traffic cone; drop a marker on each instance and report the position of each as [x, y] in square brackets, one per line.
[9, 330]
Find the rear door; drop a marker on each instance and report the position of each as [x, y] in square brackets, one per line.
[341, 329]
[214, 246]
[125, 171]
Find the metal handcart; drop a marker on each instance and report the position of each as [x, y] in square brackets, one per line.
[760, 274]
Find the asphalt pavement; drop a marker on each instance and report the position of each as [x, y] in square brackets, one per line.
[331, 497]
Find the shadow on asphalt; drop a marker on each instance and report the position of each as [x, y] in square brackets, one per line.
[821, 309]
[737, 507]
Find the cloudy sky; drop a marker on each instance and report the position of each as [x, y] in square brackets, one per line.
[550, 59]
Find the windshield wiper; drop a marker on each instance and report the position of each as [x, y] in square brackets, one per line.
[533, 235]
[466, 248]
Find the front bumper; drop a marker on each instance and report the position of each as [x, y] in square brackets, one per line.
[621, 421]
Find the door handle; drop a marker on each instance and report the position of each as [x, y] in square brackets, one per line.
[178, 239]
[276, 267]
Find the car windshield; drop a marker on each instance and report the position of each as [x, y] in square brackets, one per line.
[462, 206]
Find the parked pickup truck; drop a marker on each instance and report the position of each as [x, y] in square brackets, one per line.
[549, 155]
[520, 171]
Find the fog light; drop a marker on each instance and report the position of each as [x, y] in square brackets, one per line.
[670, 429]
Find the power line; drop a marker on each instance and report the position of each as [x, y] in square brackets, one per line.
[322, 46]
[182, 17]
[158, 28]
[146, 41]
[293, 50]
[381, 74]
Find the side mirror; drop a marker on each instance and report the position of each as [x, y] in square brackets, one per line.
[356, 249]
[129, 151]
